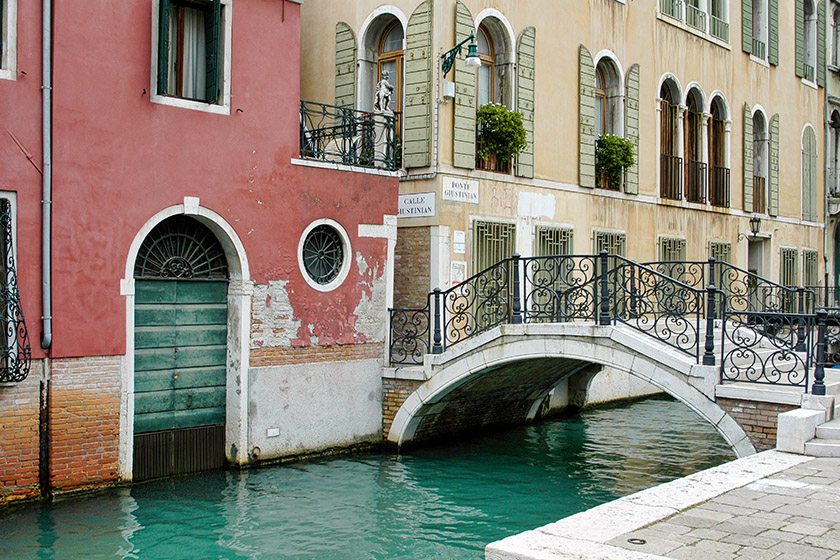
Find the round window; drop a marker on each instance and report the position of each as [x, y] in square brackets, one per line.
[323, 254]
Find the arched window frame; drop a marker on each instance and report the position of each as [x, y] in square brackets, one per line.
[670, 138]
[760, 29]
[809, 34]
[719, 131]
[834, 36]
[486, 73]
[371, 36]
[761, 160]
[810, 174]
[502, 39]
[609, 72]
[695, 145]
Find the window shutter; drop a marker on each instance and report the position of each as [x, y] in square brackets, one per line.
[821, 46]
[586, 131]
[799, 23]
[773, 32]
[814, 170]
[773, 205]
[748, 159]
[345, 66]
[465, 95]
[631, 127]
[417, 125]
[525, 80]
[809, 175]
[746, 26]
[212, 37]
[163, 48]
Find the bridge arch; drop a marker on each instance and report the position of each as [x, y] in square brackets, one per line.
[502, 376]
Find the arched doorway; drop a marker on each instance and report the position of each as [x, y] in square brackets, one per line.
[180, 347]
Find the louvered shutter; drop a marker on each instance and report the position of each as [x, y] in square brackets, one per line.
[345, 66]
[212, 38]
[748, 159]
[163, 48]
[525, 81]
[821, 46]
[631, 127]
[773, 32]
[417, 126]
[746, 26]
[465, 95]
[773, 205]
[799, 23]
[586, 130]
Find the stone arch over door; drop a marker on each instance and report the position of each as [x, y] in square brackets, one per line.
[234, 303]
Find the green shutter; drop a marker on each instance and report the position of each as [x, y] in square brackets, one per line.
[417, 126]
[809, 175]
[345, 66]
[525, 81]
[773, 205]
[821, 46]
[586, 129]
[465, 95]
[799, 23]
[814, 169]
[212, 38]
[746, 26]
[631, 127]
[163, 48]
[773, 32]
[748, 159]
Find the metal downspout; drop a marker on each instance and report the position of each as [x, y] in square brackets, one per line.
[827, 166]
[46, 199]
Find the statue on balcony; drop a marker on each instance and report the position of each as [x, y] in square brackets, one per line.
[382, 98]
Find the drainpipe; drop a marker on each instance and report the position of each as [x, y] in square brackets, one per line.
[46, 200]
[827, 166]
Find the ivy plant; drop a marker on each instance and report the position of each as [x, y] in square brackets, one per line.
[613, 154]
[500, 133]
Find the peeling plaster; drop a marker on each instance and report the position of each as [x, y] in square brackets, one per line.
[273, 321]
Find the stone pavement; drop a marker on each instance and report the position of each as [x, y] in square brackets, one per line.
[771, 505]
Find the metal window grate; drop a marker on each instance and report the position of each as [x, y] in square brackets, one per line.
[720, 251]
[810, 270]
[181, 248]
[787, 268]
[671, 249]
[15, 351]
[492, 242]
[553, 241]
[612, 242]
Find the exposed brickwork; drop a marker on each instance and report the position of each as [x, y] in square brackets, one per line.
[411, 267]
[759, 419]
[308, 354]
[19, 409]
[394, 393]
[84, 422]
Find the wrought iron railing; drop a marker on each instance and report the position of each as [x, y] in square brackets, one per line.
[719, 186]
[670, 177]
[347, 136]
[759, 194]
[15, 349]
[768, 333]
[719, 28]
[695, 185]
[759, 49]
[695, 17]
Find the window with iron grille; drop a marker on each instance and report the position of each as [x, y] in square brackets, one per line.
[810, 270]
[787, 269]
[8, 37]
[720, 251]
[612, 242]
[492, 242]
[553, 241]
[671, 249]
[15, 351]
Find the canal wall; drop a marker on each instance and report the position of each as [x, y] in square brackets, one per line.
[759, 419]
[19, 409]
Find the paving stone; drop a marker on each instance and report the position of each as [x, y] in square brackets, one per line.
[751, 541]
[805, 529]
[756, 554]
[705, 513]
[830, 540]
[802, 551]
[692, 521]
[653, 544]
[772, 517]
[780, 536]
[744, 526]
[772, 502]
[810, 521]
[811, 509]
[704, 550]
[728, 508]
[709, 534]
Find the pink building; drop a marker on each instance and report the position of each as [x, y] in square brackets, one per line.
[216, 292]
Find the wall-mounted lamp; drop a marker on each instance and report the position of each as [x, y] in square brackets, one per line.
[472, 60]
[755, 228]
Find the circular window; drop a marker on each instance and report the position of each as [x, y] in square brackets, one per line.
[323, 255]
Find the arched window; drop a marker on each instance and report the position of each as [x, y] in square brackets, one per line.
[809, 34]
[495, 77]
[718, 168]
[600, 102]
[670, 161]
[608, 99]
[695, 167]
[761, 161]
[485, 84]
[810, 170]
[835, 37]
[390, 61]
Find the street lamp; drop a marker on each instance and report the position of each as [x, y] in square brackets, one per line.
[755, 225]
[472, 60]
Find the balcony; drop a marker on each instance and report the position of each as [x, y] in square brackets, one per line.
[670, 177]
[719, 186]
[695, 17]
[759, 195]
[695, 181]
[347, 136]
[719, 29]
[759, 49]
[671, 8]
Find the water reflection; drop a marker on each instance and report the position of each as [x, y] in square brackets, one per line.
[445, 502]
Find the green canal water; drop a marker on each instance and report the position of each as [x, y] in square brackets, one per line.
[445, 502]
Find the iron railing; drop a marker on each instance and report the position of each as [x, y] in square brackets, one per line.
[670, 177]
[759, 49]
[719, 28]
[671, 8]
[347, 136]
[719, 186]
[15, 350]
[695, 17]
[695, 185]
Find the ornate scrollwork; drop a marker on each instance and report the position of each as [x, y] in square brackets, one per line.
[478, 304]
[410, 335]
[17, 352]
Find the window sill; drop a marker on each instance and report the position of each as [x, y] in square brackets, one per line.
[703, 34]
[191, 104]
[760, 61]
[6, 74]
[809, 83]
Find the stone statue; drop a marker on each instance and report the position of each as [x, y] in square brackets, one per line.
[384, 90]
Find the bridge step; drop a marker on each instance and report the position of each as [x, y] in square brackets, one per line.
[819, 447]
[829, 430]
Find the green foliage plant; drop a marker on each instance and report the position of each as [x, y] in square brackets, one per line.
[613, 154]
[500, 133]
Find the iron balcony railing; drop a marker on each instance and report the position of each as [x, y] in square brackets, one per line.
[695, 17]
[759, 49]
[759, 194]
[695, 184]
[671, 8]
[808, 72]
[347, 136]
[719, 186]
[671, 177]
[719, 28]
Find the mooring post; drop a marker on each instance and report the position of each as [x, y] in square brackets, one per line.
[604, 315]
[800, 321]
[517, 304]
[437, 347]
[711, 315]
[818, 388]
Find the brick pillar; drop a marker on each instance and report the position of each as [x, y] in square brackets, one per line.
[759, 419]
[19, 440]
[394, 393]
[411, 267]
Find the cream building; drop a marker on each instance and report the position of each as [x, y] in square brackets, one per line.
[722, 99]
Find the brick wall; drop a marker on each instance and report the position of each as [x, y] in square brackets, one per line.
[759, 419]
[19, 440]
[84, 422]
[309, 354]
[411, 267]
[394, 393]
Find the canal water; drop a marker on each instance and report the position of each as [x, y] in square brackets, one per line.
[445, 502]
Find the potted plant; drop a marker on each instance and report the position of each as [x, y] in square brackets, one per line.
[500, 134]
[613, 155]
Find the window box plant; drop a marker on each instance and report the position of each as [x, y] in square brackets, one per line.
[613, 155]
[500, 136]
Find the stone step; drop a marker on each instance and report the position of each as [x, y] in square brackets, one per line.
[822, 448]
[829, 430]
